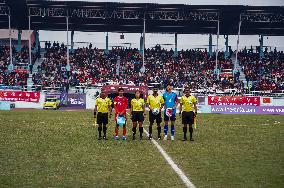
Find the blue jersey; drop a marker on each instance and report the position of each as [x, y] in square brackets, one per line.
[170, 99]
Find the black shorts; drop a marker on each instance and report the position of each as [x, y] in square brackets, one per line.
[188, 118]
[137, 116]
[153, 117]
[102, 118]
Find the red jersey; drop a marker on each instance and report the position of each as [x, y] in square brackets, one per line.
[120, 104]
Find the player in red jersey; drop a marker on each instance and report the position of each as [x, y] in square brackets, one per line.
[120, 106]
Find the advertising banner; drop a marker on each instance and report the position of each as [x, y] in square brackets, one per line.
[233, 100]
[76, 100]
[270, 110]
[243, 109]
[91, 95]
[21, 71]
[19, 96]
[200, 100]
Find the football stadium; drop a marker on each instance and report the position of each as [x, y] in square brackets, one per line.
[141, 93]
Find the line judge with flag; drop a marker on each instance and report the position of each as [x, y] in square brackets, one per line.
[102, 107]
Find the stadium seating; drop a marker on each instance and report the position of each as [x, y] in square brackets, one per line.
[18, 76]
[267, 73]
[92, 67]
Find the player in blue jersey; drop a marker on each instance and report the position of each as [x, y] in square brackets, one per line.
[170, 105]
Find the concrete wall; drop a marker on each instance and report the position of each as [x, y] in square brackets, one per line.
[5, 105]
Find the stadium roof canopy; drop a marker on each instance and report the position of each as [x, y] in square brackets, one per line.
[129, 17]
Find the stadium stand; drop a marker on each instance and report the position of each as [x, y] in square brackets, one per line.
[94, 67]
[18, 76]
[90, 67]
[266, 73]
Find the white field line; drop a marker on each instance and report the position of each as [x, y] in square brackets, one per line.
[170, 161]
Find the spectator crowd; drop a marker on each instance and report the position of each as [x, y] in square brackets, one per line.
[17, 73]
[91, 66]
[266, 73]
[124, 66]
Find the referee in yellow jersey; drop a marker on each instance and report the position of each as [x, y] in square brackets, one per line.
[137, 112]
[102, 107]
[188, 110]
[155, 103]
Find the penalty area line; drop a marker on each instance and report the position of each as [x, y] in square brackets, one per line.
[173, 165]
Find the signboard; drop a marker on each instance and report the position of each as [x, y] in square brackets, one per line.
[200, 100]
[91, 95]
[238, 109]
[233, 100]
[225, 75]
[21, 71]
[19, 96]
[270, 110]
[76, 100]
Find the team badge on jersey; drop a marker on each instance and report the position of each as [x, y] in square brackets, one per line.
[169, 112]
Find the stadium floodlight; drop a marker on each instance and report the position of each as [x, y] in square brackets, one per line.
[263, 17]
[4, 10]
[49, 12]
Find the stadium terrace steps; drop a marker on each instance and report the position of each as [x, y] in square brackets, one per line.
[118, 66]
[239, 67]
[30, 82]
[38, 62]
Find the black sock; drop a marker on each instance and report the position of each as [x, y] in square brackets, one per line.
[134, 130]
[184, 131]
[100, 130]
[190, 131]
[141, 131]
[159, 130]
[150, 129]
[104, 129]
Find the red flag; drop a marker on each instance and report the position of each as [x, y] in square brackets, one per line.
[266, 100]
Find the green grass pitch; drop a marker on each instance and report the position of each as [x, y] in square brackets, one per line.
[60, 149]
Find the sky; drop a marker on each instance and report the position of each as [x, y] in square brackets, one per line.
[184, 41]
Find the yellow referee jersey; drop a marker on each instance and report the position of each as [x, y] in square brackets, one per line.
[103, 104]
[137, 105]
[155, 102]
[187, 103]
